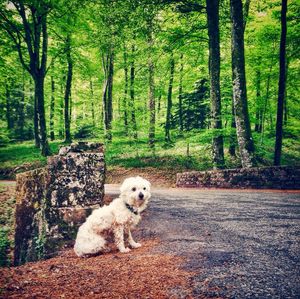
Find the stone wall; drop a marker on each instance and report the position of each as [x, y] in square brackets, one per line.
[281, 177]
[29, 216]
[53, 201]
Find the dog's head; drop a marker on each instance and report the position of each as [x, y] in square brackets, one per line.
[136, 192]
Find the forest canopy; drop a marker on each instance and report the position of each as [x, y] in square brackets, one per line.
[211, 81]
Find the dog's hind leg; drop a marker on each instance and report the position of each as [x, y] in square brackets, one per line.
[132, 243]
[86, 246]
[119, 239]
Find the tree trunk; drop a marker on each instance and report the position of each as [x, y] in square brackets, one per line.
[39, 95]
[110, 88]
[70, 108]
[266, 100]
[212, 7]
[8, 112]
[104, 106]
[108, 96]
[169, 101]
[32, 33]
[151, 87]
[52, 106]
[125, 99]
[244, 137]
[92, 103]
[35, 117]
[68, 91]
[108, 67]
[61, 110]
[258, 113]
[246, 13]
[232, 137]
[132, 99]
[285, 105]
[40, 74]
[21, 112]
[180, 95]
[159, 103]
[281, 85]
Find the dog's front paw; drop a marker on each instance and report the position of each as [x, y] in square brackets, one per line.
[125, 250]
[136, 245]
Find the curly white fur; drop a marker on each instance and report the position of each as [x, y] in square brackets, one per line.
[122, 214]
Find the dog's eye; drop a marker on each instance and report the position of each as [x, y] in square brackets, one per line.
[133, 189]
[144, 188]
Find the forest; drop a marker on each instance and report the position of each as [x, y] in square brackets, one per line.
[165, 83]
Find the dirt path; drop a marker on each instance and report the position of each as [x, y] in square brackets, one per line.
[157, 177]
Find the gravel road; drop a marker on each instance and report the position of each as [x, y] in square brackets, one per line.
[239, 244]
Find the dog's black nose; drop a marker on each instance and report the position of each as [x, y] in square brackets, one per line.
[141, 195]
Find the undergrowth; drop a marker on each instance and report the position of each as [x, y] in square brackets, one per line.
[192, 151]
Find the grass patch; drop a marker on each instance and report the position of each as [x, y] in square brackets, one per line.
[189, 152]
[18, 153]
[7, 209]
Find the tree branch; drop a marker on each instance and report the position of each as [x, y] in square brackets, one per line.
[9, 29]
[44, 44]
[21, 9]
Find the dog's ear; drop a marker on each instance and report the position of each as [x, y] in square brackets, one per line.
[148, 184]
[124, 185]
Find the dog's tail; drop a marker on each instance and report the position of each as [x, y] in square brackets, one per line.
[86, 246]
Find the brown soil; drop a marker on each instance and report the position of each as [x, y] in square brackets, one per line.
[7, 205]
[157, 177]
[138, 274]
[7, 190]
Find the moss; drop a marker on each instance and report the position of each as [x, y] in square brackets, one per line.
[4, 247]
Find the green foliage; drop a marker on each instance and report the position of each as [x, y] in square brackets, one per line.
[7, 208]
[4, 247]
[19, 153]
[84, 131]
[4, 136]
[194, 109]
[100, 25]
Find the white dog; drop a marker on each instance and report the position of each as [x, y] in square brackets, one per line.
[122, 214]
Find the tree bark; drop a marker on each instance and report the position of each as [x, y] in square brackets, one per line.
[132, 97]
[21, 106]
[35, 117]
[266, 100]
[8, 112]
[39, 95]
[246, 13]
[169, 101]
[151, 87]
[68, 91]
[39, 80]
[108, 67]
[180, 95]
[52, 107]
[232, 137]
[110, 93]
[92, 103]
[281, 85]
[285, 104]
[258, 113]
[159, 103]
[125, 99]
[245, 141]
[212, 7]
[61, 114]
